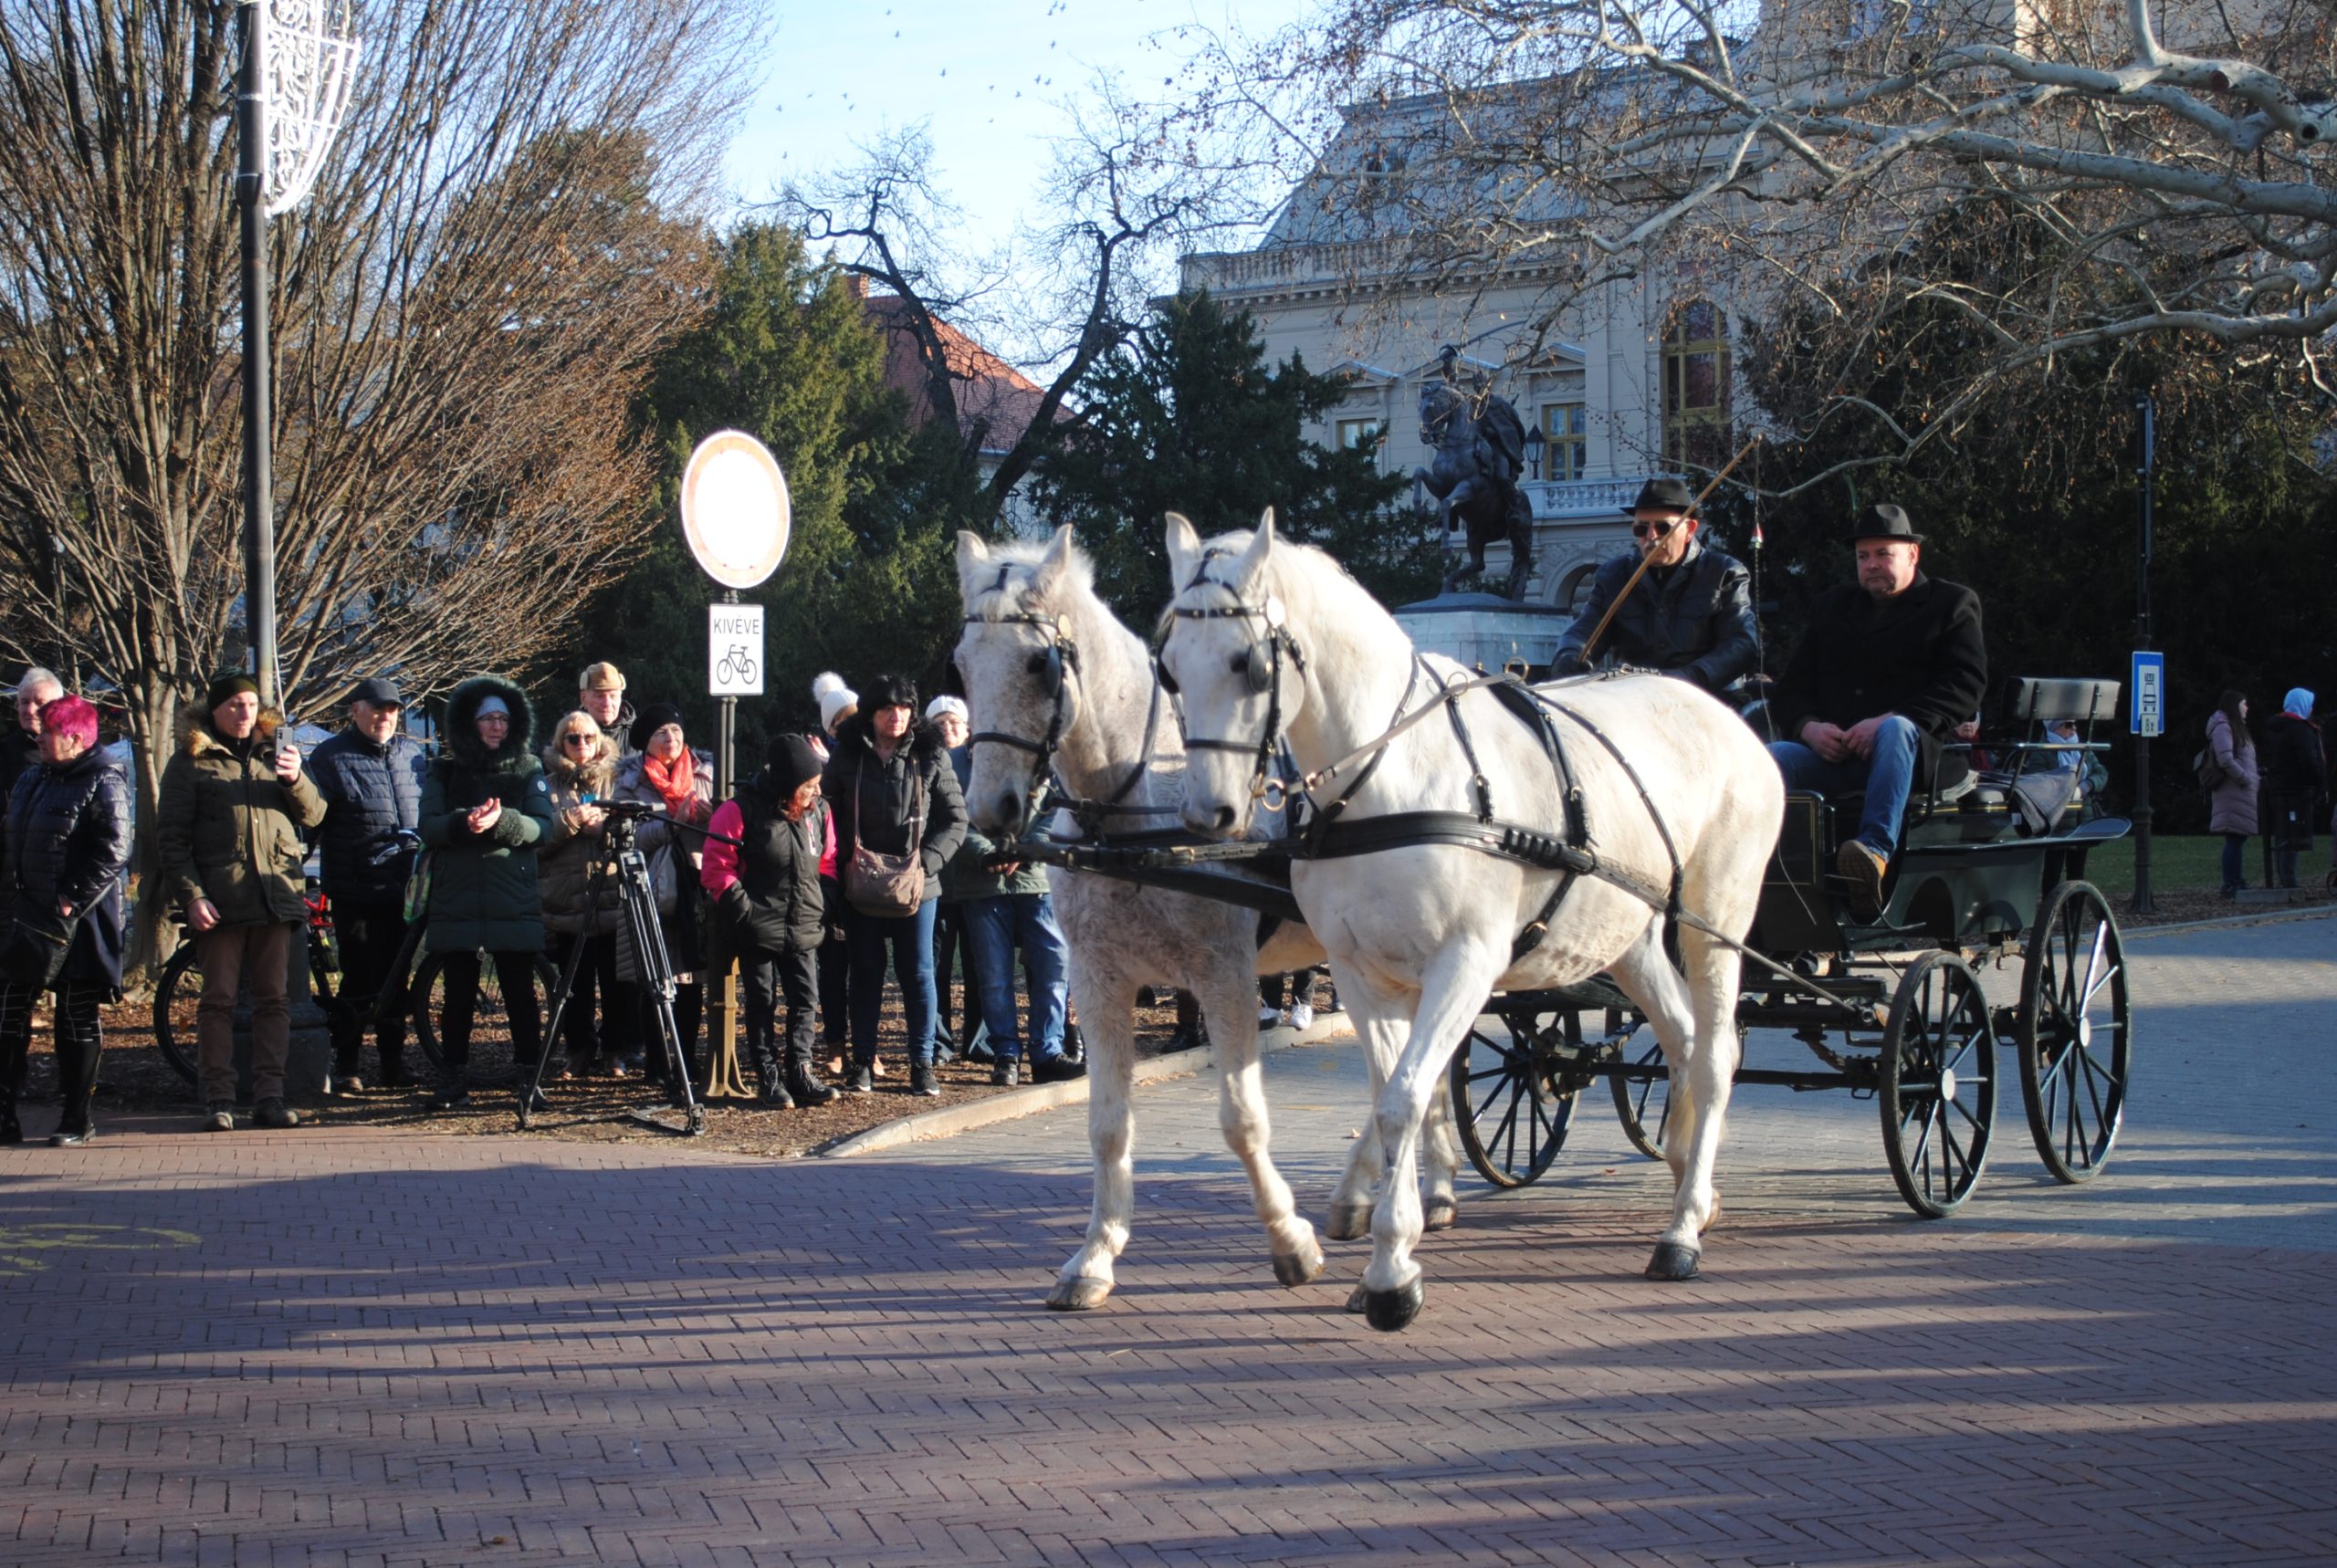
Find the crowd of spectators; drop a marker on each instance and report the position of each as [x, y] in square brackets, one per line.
[827, 871]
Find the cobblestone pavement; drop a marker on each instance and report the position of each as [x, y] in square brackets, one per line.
[368, 1349]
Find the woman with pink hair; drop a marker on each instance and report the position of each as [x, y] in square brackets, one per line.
[66, 843]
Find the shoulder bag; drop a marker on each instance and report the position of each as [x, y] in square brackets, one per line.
[2209, 772]
[887, 886]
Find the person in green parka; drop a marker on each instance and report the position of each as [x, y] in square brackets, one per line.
[485, 810]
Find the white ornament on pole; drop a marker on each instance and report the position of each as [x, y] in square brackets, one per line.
[735, 515]
[308, 65]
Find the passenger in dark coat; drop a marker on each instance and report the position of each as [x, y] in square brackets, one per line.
[895, 793]
[370, 776]
[2296, 782]
[66, 848]
[1888, 668]
[1692, 613]
[485, 807]
[766, 892]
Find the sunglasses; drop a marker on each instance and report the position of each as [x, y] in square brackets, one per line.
[573, 739]
[1652, 530]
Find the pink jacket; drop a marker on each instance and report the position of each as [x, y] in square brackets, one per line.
[722, 865]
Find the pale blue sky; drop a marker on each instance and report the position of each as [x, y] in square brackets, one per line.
[988, 75]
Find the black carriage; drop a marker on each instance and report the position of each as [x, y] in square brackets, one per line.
[1991, 871]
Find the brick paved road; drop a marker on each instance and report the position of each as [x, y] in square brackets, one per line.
[374, 1350]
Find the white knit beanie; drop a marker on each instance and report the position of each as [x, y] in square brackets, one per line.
[834, 698]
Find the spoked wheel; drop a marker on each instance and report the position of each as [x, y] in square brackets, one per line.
[1513, 1120]
[2075, 1033]
[1642, 1103]
[493, 1059]
[1938, 1084]
[176, 995]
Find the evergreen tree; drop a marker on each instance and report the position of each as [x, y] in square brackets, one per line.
[1189, 418]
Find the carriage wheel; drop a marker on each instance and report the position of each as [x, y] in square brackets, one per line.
[1512, 1119]
[1643, 1104]
[1938, 1084]
[2075, 1032]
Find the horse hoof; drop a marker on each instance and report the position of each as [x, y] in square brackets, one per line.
[1297, 1268]
[1349, 1221]
[1078, 1295]
[1359, 1298]
[1672, 1261]
[1441, 1216]
[1388, 1311]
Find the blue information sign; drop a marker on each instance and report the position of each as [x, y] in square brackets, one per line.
[2148, 714]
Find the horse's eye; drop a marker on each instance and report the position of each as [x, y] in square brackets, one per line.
[1239, 664]
[1038, 663]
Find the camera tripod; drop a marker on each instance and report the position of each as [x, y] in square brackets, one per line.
[637, 902]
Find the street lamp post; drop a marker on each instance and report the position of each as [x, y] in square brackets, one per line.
[2146, 465]
[292, 91]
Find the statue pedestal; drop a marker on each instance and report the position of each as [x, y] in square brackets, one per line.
[1484, 629]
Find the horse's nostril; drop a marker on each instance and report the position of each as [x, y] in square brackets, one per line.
[1224, 817]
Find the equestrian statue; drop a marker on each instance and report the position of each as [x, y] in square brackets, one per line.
[1480, 445]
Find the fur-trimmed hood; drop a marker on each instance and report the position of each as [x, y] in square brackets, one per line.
[461, 733]
[923, 738]
[197, 734]
[595, 775]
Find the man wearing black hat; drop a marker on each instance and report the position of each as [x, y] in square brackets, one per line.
[1888, 668]
[1690, 615]
[370, 777]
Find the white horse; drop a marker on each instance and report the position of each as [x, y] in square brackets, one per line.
[1055, 682]
[1267, 635]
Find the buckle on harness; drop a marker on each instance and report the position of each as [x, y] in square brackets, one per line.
[1271, 794]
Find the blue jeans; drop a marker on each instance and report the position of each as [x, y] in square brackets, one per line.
[1886, 777]
[910, 939]
[996, 925]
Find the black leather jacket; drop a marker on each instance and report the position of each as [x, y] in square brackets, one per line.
[1694, 620]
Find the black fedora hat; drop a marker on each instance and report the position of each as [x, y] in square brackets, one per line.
[1664, 496]
[1885, 522]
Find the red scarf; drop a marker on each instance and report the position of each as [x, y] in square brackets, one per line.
[676, 781]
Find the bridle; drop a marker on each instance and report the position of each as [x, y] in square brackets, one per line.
[1057, 664]
[1262, 667]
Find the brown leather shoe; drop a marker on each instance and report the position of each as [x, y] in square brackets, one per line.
[1863, 867]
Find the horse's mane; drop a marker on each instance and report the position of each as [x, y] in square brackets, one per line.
[1079, 572]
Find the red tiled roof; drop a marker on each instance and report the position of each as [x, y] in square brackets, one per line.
[988, 390]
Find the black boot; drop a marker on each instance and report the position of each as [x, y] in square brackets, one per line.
[771, 1084]
[452, 1090]
[802, 1084]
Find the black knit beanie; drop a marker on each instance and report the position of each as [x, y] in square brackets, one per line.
[653, 717]
[221, 688]
[789, 761]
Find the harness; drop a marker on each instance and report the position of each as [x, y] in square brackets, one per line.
[1057, 664]
[1327, 837]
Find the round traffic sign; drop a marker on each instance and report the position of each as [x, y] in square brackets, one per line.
[735, 511]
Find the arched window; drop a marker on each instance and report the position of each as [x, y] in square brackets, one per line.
[1697, 433]
[1575, 587]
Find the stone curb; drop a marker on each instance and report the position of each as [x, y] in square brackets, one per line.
[949, 1121]
[2265, 918]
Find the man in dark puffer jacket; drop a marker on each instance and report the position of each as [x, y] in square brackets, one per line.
[370, 777]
